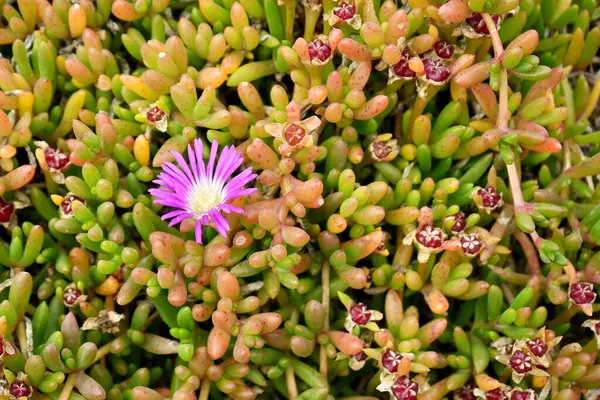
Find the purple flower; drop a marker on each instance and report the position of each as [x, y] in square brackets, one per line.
[200, 191]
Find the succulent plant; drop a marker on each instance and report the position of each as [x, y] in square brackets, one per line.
[261, 199]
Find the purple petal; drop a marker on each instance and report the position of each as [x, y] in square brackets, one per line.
[221, 224]
[170, 183]
[246, 192]
[239, 193]
[193, 163]
[168, 203]
[179, 175]
[242, 178]
[171, 202]
[198, 231]
[184, 166]
[223, 162]
[211, 159]
[231, 208]
[199, 149]
[234, 160]
[180, 218]
[174, 214]
[162, 194]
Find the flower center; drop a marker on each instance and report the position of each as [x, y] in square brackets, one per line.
[204, 196]
[459, 223]
[318, 50]
[402, 69]
[465, 392]
[521, 362]
[495, 394]
[489, 197]
[71, 295]
[360, 314]
[155, 114]
[443, 49]
[537, 347]
[405, 389]
[390, 360]
[523, 395]
[430, 237]
[582, 293]
[344, 11]
[56, 158]
[381, 150]
[478, 24]
[360, 356]
[436, 70]
[6, 210]
[20, 389]
[294, 134]
[470, 244]
[67, 204]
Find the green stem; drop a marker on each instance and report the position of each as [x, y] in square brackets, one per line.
[290, 381]
[104, 350]
[22, 335]
[204, 389]
[68, 388]
[325, 277]
[290, 16]
[312, 13]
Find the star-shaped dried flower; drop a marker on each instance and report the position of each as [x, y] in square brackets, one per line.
[15, 387]
[521, 394]
[107, 321]
[487, 199]
[521, 364]
[154, 116]
[52, 160]
[383, 148]
[405, 389]
[466, 392]
[539, 348]
[8, 217]
[503, 345]
[73, 296]
[499, 393]
[393, 364]
[401, 70]
[357, 361]
[470, 244]
[344, 13]
[582, 294]
[594, 325]
[321, 50]
[429, 240]
[457, 222]
[293, 135]
[6, 348]
[359, 315]
[436, 71]
[203, 192]
[475, 27]
[65, 203]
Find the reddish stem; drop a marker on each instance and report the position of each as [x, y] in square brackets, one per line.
[503, 115]
[530, 252]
